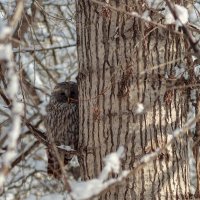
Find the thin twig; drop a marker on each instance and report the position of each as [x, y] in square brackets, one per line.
[193, 43]
[145, 159]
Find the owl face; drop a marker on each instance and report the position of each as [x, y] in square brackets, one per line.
[66, 92]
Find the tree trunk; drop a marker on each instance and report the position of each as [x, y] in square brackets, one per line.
[117, 54]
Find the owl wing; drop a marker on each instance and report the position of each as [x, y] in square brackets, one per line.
[62, 129]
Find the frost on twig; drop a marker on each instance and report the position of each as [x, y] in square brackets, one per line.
[66, 148]
[90, 188]
[139, 108]
[182, 14]
[6, 57]
[112, 164]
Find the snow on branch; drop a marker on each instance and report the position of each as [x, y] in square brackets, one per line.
[89, 189]
[112, 164]
[181, 16]
[134, 15]
[179, 13]
[6, 57]
[46, 48]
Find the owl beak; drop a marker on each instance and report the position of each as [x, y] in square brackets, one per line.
[70, 100]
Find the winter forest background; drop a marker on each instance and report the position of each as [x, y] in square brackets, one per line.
[38, 48]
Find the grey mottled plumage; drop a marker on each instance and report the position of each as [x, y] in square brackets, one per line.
[62, 123]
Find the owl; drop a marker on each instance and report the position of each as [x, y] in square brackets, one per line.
[62, 125]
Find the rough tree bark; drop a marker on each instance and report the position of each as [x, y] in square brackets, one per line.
[116, 55]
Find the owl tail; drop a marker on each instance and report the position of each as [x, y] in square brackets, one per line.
[53, 167]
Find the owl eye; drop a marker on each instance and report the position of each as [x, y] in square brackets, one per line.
[72, 94]
[62, 94]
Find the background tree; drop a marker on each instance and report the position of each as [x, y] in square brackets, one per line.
[43, 42]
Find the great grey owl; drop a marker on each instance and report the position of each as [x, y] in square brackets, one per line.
[62, 125]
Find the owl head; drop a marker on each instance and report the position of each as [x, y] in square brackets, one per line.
[65, 92]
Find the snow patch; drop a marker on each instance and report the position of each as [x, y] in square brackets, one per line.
[146, 16]
[66, 148]
[5, 32]
[181, 12]
[112, 163]
[154, 3]
[74, 162]
[139, 108]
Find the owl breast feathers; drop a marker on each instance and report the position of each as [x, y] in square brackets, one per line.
[62, 124]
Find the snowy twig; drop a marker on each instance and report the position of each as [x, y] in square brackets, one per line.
[186, 31]
[38, 48]
[25, 153]
[17, 14]
[93, 188]
[134, 15]
[39, 135]
[6, 56]
[193, 43]
[12, 90]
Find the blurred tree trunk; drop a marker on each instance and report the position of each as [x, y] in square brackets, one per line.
[116, 55]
